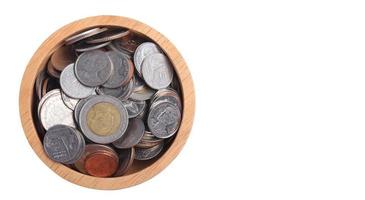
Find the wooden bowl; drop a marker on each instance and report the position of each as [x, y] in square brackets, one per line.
[140, 171]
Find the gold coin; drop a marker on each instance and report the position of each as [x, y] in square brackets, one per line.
[103, 119]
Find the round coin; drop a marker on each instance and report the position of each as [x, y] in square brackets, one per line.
[63, 144]
[108, 36]
[53, 111]
[164, 119]
[157, 71]
[134, 108]
[103, 119]
[62, 57]
[121, 92]
[122, 70]
[132, 136]
[69, 101]
[126, 157]
[142, 51]
[101, 164]
[72, 86]
[148, 153]
[88, 47]
[93, 68]
[83, 35]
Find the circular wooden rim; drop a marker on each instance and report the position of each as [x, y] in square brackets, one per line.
[40, 58]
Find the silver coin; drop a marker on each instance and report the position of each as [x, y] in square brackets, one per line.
[132, 136]
[63, 144]
[72, 86]
[89, 47]
[78, 108]
[112, 47]
[148, 153]
[169, 95]
[121, 92]
[53, 111]
[85, 34]
[164, 119]
[142, 51]
[69, 101]
[126, 157]
[134, 108]
[93, 68]
[83, 121]
[46, 96]
[108, 36]
[122, 72]
[157, 71]
[142, 93]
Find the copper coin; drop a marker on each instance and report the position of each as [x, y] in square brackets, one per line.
[101, 164]
[62, 57]
[52, 71]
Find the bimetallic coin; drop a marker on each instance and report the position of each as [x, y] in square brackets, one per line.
[122, 70]
[83, 35]
[157, 71]
[142, 51]
[72, 86]
[126, 157]
[93, 68]
[89, 47]
[103, 119]
[148, 153]
[69, 101]
[63, 144]
[62, 57]
[108, 36]
[133, 107]
[132, 136]
[164, 119]
[53, 111]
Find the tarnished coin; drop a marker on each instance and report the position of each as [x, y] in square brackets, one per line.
[132, 136]
[63, 144]
[72, 86]
[148, 153]
[103, 119]
[142, 51]
[108, 36]
[164, 119]
[83, 35]
[121, 92]
[93, 68]
[133, 107]
[126, 157]
[122, 70]
[69, 101]
[101, 164]
[96, 149]
[157, 71]
[53, 111]
[89, 47]
[62, 57]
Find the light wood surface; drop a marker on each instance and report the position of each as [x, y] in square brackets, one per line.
[141, 171]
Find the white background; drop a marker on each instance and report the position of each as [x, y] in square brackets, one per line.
[280, 110]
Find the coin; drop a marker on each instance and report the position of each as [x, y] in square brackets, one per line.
[133, 107]
[91, 149]
[108, 36]
[72, 86]
[63, 144]
[121, 92]
[54, 104]
[39, 83]
[132, 136]
[148, 153]
[82, 47]
[126, 157]
[142, 51]
[122, 70]
[157, 71]
[93, 68]
[69, 101]
[142, 92]
[62, 57]
[103, 119]
[164, 119]
[101, 164]
[52, 71]
[127, 45]
[78, 107]
[169, 95]
[83, 35]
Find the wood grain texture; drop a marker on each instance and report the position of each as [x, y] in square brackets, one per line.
[142, 172]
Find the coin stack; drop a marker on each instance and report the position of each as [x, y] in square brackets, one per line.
[107, 97]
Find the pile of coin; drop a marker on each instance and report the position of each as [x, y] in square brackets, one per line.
[107, 97]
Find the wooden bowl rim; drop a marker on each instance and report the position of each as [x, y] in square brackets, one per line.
[41, 56]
